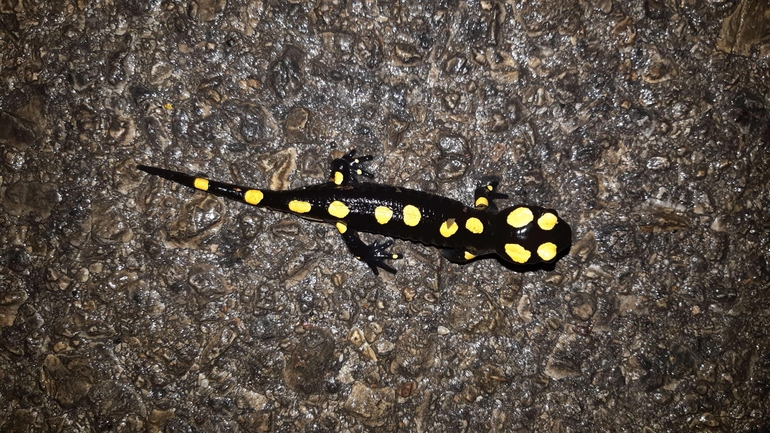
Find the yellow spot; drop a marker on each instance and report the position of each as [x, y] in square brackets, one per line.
[547, 221]
[474, 225]
[253, 196]
[168, 106]
[469, 256]
[482, 202]
[383, 214]
[201, 184]
[448, 228]
[299, 206]
[338, 178]
[547, 251]
[517, 253]
[411, 215]
[490, 188]
[520, 217]
[342, 228]
[338, 209]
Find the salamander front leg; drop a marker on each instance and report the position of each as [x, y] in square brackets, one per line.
[484, 196]
[346, 170]
[373, 254]
[457, 255]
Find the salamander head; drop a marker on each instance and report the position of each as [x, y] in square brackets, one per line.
[530, 234]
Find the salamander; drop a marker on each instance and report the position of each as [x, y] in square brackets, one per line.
[521, 234]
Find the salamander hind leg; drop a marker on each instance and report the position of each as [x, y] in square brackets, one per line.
[486, 193]
[373, 254]
[347, 169]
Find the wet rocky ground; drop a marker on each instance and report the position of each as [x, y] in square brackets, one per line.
[131, 304]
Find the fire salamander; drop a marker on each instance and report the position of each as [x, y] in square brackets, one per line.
[522, 235]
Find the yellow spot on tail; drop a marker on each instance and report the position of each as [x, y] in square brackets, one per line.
[448, 228]
[342, 227]
[474, 225]
[338, 209]
[338, 178]
[383, 214]
[469, 256]
[482, 202]
[547, 221]
[547, 251]
[253, 196]
[201, 184]
[520, 217]
[411, 215]
[517, 253]
[299, 206]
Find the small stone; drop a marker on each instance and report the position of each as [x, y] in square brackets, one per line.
[372, 406]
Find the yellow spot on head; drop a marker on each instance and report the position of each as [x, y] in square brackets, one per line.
[201, 184]
[253, 196]
[342, 227]
[474, 225]
[338, 178]
[448, 228]
[338, 209]
[517, 253]
[490, 188]
[520, 217]
[547, 221]
[482, 202]
[299, 206]
[411, 215]
[469, 256]
[383, 214]
[547, 251]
